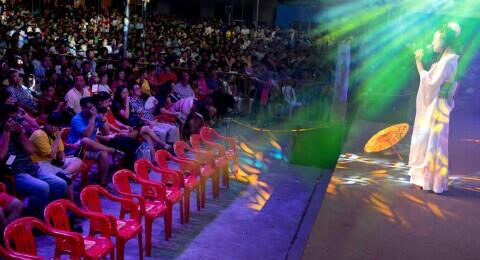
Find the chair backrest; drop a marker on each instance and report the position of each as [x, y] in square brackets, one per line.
[206, 133]
[195, 141]
[121, 180]
[161, 157]
[19, 233]
[179, 148]
[142, 167]
[90, 197]
[56, 214]
[185, 165]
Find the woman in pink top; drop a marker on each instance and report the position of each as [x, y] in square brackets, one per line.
[202, 88]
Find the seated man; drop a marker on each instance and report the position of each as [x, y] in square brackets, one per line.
[49, 152]
[15, 152]
[75, 94]
[83, 131]
[22, 95]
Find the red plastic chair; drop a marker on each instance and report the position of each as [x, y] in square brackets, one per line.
[172, 181]
[153, 204]
[190, 175]
[221, 162]
[18, 234]
[205, 162]
[123, 230]
[95, 247]
[5, 178]
[209, 137]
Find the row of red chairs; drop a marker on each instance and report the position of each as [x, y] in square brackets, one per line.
[210, 161]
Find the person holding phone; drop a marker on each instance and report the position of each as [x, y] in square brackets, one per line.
[83, 132]
[49, 153]
[15, 151]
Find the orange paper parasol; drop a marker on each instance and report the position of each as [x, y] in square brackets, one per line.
[387, 138]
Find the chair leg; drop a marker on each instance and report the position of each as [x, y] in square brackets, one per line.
[186, 205]
[182, 212]
[198, 193]
[120, 249]
[58, 252]
[140, 244]
[203, 191]
[226, 177]
[148, 236]
[170, 222]
[122, 212]
[216, 184]
[84, 181]
[235, 168]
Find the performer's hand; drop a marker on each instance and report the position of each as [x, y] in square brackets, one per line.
[419, 54]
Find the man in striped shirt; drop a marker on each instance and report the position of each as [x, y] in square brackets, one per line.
[183, 88]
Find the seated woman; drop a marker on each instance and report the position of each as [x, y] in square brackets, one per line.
[122, 111]
[119, 140]
[144, 110]
[119, 80]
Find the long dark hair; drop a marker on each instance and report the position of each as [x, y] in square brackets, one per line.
[118, 95]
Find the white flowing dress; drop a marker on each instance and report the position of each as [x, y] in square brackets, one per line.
[428, 159]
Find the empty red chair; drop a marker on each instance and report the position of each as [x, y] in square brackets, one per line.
[205, 165]
[153, 204]
[95, 247]
[221, 162]
[209, 137]
[190, 175]
[123, 230]
[172, 181]
[20, 242]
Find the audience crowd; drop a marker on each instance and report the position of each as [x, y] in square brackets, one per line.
[69, 92]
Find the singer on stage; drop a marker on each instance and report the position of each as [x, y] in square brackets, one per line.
[428, 158]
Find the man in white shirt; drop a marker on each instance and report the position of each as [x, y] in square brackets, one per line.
[76, 93]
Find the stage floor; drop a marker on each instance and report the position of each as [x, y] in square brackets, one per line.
[370, 210]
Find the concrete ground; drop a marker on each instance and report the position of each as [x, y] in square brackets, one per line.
[257, 218]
